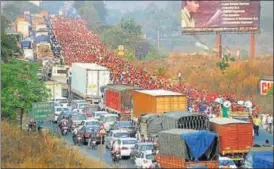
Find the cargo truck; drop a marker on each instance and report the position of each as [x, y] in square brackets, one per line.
[187, 148]
[28, 54]
[57, 89]
[236, 137]
[118, 99]
[43, 50]
[86, 81]
[157, 101]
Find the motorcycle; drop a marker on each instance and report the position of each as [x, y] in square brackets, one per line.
[116, 157]
[64, 130]
[77, 140]
[93, 144]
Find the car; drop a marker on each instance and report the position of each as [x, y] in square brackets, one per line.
[85, 133]
[144, 159]
[126, 145]
[126, 125]
[225, 162]
[141, 147]
[79, 107]
[114, 135]
[77, 119]
[57, 112]
[97, 114]
[61, 101]
[88, 111]
[108, 120]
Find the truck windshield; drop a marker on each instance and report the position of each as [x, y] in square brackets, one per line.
[111, 119]
[146, 147]
[62, 100]
[130, 142]
[121, 135]
[82, 106]
[94, 123]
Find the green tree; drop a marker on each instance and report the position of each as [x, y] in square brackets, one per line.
[16, 8]
[9, 48]
[20, 88]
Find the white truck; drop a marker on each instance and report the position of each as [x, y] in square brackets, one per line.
[42, 33]
[28, 54]
[86, 81]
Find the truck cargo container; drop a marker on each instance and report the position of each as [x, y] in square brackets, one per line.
[40, 27]
[86, 80]
[157, 101]
[43, 50]
[187, 148]
[23, 27]
[236, 136]
[118, 99]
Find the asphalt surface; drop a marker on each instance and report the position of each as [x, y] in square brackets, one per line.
[103, 154]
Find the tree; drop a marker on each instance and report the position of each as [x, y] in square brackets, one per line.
[224, 63]
[9, 48]
[16, 8]
[4, 23]
[20, 88]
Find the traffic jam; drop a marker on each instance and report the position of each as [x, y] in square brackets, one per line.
[150, 126]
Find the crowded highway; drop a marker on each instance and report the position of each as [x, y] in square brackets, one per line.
[125, 116]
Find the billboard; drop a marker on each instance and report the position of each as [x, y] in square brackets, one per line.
[220, 16]
[265, 86]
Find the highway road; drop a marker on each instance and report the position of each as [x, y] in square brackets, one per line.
[104, 154]
[100, 153]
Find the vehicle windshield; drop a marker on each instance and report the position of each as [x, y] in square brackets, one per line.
[82, 106]
[62, 100]
[130, 142]
[119, 135]
[79, 117]
[146, 147]
[111, 119]
[226, 162]
[149, 156]
[95, 123]
[93, 109]
[98, 114]
[62, 109]
[95, 129]
[124, 124]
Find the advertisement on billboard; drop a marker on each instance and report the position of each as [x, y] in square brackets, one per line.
[220, 16]
[265, 86]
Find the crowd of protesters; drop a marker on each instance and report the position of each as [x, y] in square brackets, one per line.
[78, 44]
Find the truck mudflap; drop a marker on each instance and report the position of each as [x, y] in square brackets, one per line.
[168, 161]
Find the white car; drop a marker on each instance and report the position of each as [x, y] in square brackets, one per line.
[143, 159]
[108, 120]
[126, 145]
[91, 122]
[114, 135]
[224, 162]
[62, 101]
[57, 112]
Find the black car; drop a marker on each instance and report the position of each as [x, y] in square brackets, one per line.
[86, 132]
[126, 125]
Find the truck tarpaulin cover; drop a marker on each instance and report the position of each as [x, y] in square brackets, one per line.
[263, 159]
[26, 44]
[198, 142]
[42, 38]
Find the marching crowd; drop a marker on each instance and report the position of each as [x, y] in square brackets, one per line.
[79, 44]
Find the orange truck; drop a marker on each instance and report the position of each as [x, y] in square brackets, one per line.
[236, 137]
[188, 148]
[157, 101]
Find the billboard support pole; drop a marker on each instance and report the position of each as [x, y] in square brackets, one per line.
[219, 44]
[252, 46]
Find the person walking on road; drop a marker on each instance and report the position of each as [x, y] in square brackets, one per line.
[266, 144]
[257, 123]
[269, 123]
